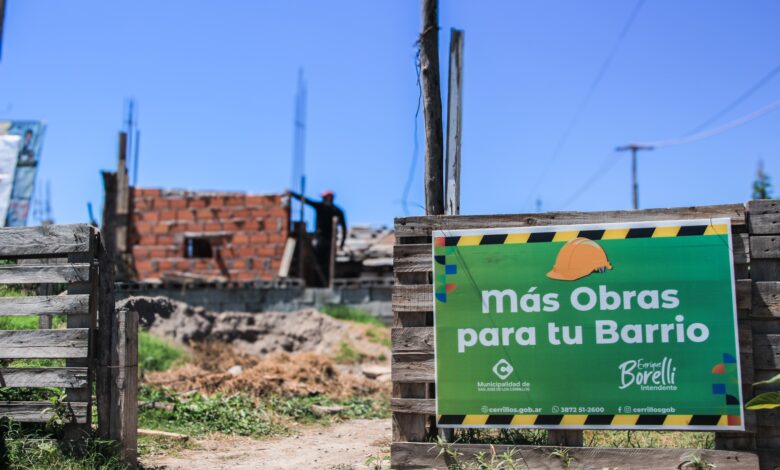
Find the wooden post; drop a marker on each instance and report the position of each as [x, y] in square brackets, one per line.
[454, 120]
[117, 367]
[124, 390]
[75, 433]
[431, 92]
[334, 238]
[103, 349]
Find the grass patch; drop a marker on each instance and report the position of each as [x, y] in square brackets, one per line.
[196, 415]
[158, 354]
[149, 446]
[652, 439]
[35, 447]
[379, 335]
[348, 355]
[241, 415]
[344, 312]
[622, 439]
[299, 408]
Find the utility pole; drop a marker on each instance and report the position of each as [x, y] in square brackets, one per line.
[454, 122]
[431, 91]
[634, 148]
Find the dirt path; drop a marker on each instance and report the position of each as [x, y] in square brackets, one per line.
[344, 444]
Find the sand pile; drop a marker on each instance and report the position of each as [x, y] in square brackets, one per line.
[253, 333]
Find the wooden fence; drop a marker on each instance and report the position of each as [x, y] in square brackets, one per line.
[98, 345]
[756, 237]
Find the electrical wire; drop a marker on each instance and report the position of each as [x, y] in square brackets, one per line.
[588, 95]
[416, 147]
[612, 160]
[602, 170]
[754, 88]
[713, 132]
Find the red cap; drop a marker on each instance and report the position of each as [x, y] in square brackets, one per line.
[327, 193]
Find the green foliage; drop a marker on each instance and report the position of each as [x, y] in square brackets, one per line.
[299, 408]
[762, 186]
[40, 450]
[536, 437]
[241, 415]
[197, 415]
[344, 312]
[764, 401]
[454, 459]
[562, 453]
[157, 354]
[696, 462]
[348, 355]
[650, 439]
[379, 336]
[767, 400]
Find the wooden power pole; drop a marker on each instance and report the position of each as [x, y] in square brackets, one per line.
[431, 92]
[454, 121]
[634, 148]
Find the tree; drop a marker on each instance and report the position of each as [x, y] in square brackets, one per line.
[762, 186]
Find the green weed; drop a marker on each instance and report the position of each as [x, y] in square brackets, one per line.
[348, 355]
[344, 312]
[158, 354]
[197, 415]
[39, 449]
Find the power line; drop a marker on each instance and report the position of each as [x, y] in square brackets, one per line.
[693, 136]
[588, 95]
[755, 87]
[602, 170]
[416, 147]
[713, 132]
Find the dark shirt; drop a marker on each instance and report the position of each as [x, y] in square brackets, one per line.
[324, 222]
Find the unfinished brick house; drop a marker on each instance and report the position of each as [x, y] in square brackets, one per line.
[178, 236]
[208, 236]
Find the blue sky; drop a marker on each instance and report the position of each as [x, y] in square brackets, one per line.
[215, 82]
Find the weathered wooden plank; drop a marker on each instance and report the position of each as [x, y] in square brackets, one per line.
[740, 248]
[42, 411]
[766, 300]
[44, 305]
[72, 377]
[412, 258]
[40, 344]
[419, 455]
[416, 370]
[765, 269]
[422, 226]
[764, 216]
[26, 274]
[766, 352]
[744, 288]
[412, 340]
[413, 298]
[426, 406]
[75, 432]
[47, 240]
[765, 247]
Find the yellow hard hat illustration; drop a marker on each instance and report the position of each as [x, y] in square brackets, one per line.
[578, 258]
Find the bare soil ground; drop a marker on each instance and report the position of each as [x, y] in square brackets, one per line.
[343, 446]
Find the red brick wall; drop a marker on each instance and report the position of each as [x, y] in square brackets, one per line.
[247, 233]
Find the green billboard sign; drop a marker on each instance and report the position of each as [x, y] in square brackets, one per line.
[619, 326]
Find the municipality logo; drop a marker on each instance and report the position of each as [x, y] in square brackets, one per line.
[503, 369]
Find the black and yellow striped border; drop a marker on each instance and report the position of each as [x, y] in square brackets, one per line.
[589, 420]
[607, 234]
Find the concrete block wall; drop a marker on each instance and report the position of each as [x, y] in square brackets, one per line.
[246, 233]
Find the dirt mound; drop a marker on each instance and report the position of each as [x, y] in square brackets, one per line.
[217, 367]
[254, 333]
